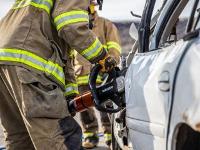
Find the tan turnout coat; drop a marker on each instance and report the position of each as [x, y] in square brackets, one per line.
[38, 35]
[108, 34]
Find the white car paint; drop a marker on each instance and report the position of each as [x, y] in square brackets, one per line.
[150, 86]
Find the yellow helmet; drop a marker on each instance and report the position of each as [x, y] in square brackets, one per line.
[94, 3]
[92, 7]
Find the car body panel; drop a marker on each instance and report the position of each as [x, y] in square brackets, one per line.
[162, 88]
[186, 105]
[149, 82]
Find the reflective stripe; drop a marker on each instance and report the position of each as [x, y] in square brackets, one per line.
[89, 134]
[34, 61]
[42, 4]
[84, 80]
[115, 45]
[71, 17]
[105, 46]
[71, 88]
[107, 137]
[93, 50]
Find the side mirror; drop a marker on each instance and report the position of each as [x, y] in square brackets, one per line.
[133, 32]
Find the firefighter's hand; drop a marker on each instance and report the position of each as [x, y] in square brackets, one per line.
[69, 100]
[108, 63]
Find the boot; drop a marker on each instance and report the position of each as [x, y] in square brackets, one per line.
[108, 139]
[90, 140]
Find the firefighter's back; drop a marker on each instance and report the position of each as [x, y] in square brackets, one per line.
[28, 28]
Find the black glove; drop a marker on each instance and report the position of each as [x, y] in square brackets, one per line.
[69, 100]
[108, 63]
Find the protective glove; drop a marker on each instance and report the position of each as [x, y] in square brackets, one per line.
[69, 99]
[108, 63]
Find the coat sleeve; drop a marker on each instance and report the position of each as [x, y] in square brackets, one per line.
[71, 20]
[113, 41]
[71, 86]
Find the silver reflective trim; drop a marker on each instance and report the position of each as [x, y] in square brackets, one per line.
[44, 66]
[88, 54]
[24, 3]
[71, 17]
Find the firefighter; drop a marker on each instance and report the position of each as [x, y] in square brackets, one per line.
[36, 77]
[107, 32]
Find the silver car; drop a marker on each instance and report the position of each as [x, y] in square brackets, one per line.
[162, 84]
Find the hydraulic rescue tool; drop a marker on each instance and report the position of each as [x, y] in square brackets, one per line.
[111, 91]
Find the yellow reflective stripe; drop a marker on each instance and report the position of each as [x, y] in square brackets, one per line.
[93, 50]
[42, 4]
[105, 46]
[88, 134]
[115, 45]
[18, 51]
[107, 137]
[20, 4]
[84, 80]
[34, 61]
[70, 89]
[70, 13]
[74, 16]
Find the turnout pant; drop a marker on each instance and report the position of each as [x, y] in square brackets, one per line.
[89, 120]
[34, 112]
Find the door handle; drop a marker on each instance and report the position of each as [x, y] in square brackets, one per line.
[164, 81]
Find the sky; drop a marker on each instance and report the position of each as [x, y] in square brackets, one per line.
[4, 6]
[115, 10]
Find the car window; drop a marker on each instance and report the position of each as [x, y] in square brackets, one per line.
[197, 23]
[179, 29]
[183, 19]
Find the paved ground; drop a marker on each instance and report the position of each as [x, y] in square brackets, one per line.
[101, 145]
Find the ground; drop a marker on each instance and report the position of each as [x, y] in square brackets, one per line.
[101, 145]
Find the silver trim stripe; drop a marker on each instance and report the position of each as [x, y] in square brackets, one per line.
[42, 4]
[71, 17]
[93, 50]
[46, 66]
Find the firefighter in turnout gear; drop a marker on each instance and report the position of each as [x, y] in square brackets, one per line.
[109, 37]
[36, 72]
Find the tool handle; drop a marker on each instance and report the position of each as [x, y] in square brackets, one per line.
[81, 103]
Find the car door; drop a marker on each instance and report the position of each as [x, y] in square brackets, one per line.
[149, 82]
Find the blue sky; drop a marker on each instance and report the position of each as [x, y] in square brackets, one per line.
[116, 10]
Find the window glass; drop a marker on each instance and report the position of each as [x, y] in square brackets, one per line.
[183, 19]
[179, 29]
[120, 9]
[198, 17]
